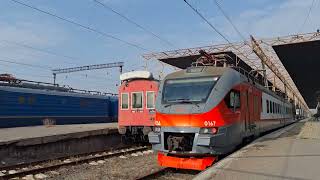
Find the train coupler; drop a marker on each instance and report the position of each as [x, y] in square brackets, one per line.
[185, 163]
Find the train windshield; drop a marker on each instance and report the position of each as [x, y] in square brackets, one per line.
[188, 90]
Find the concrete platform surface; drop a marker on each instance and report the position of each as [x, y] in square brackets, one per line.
[291, 153]
[44, 134]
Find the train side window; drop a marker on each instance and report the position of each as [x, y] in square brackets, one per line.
[271, 107]
[137, 100]
[21, 100]
[232, 99]
[124, 101]
[150, 100]
[268, 106]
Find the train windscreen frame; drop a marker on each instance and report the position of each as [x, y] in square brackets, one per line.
[188, 90]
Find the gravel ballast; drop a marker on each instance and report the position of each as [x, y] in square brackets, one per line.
[127, 168]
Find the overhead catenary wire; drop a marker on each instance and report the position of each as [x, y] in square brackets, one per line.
[47, 52]
[7, 60]
[41, 50]
[134, 23]
[91, 29]
[229, 19]
[308, 15]
[24, 74]
[205, 19]
[45, 68]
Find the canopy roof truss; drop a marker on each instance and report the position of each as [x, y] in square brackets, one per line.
[245, 52]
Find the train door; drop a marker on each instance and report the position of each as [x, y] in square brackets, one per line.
[244, 108]
[247, 108]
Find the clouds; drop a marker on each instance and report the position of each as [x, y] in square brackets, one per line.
[172, 20]
[33, 33]
[276, 20]
[41, 35]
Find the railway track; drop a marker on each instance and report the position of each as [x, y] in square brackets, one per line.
[154, 174]
[170, 173]
[22, 170]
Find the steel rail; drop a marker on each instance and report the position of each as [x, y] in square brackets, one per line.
[154, 175]
[70, 163]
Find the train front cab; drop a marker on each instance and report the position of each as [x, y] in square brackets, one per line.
[190, 134]
[137, 109]
[195, 123]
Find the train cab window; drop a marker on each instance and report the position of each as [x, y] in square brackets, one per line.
[137, 100]
[233, 99]
[124, 101]
[150, 100]
[268, 109]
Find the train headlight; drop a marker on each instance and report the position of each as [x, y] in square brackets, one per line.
[157, 129]
[213, 130]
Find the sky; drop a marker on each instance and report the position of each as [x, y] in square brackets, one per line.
[30, 37]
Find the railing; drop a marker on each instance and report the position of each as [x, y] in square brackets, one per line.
[202, 61]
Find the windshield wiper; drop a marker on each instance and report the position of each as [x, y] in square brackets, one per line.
[187, 101]
[191, 102]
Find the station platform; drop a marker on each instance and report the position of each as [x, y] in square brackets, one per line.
[291, 153]
[44, 134]
[27, 144]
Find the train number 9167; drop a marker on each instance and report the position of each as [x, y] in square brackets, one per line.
[209, 123]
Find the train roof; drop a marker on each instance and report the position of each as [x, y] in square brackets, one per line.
[136, 75]
[205, 71]
[26, 86]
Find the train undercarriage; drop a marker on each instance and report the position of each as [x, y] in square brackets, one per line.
[134, 134]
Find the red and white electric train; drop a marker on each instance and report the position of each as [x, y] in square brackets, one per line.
[137, 94]
[205, 111]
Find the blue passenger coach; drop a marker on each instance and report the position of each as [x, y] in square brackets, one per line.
[37, 105]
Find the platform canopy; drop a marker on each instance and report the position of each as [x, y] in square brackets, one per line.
[302, 61]
[291, 63]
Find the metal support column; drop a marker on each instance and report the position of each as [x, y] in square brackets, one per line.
[54, 78]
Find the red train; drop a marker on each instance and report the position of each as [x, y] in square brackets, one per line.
[137, 95]
[205, 111]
